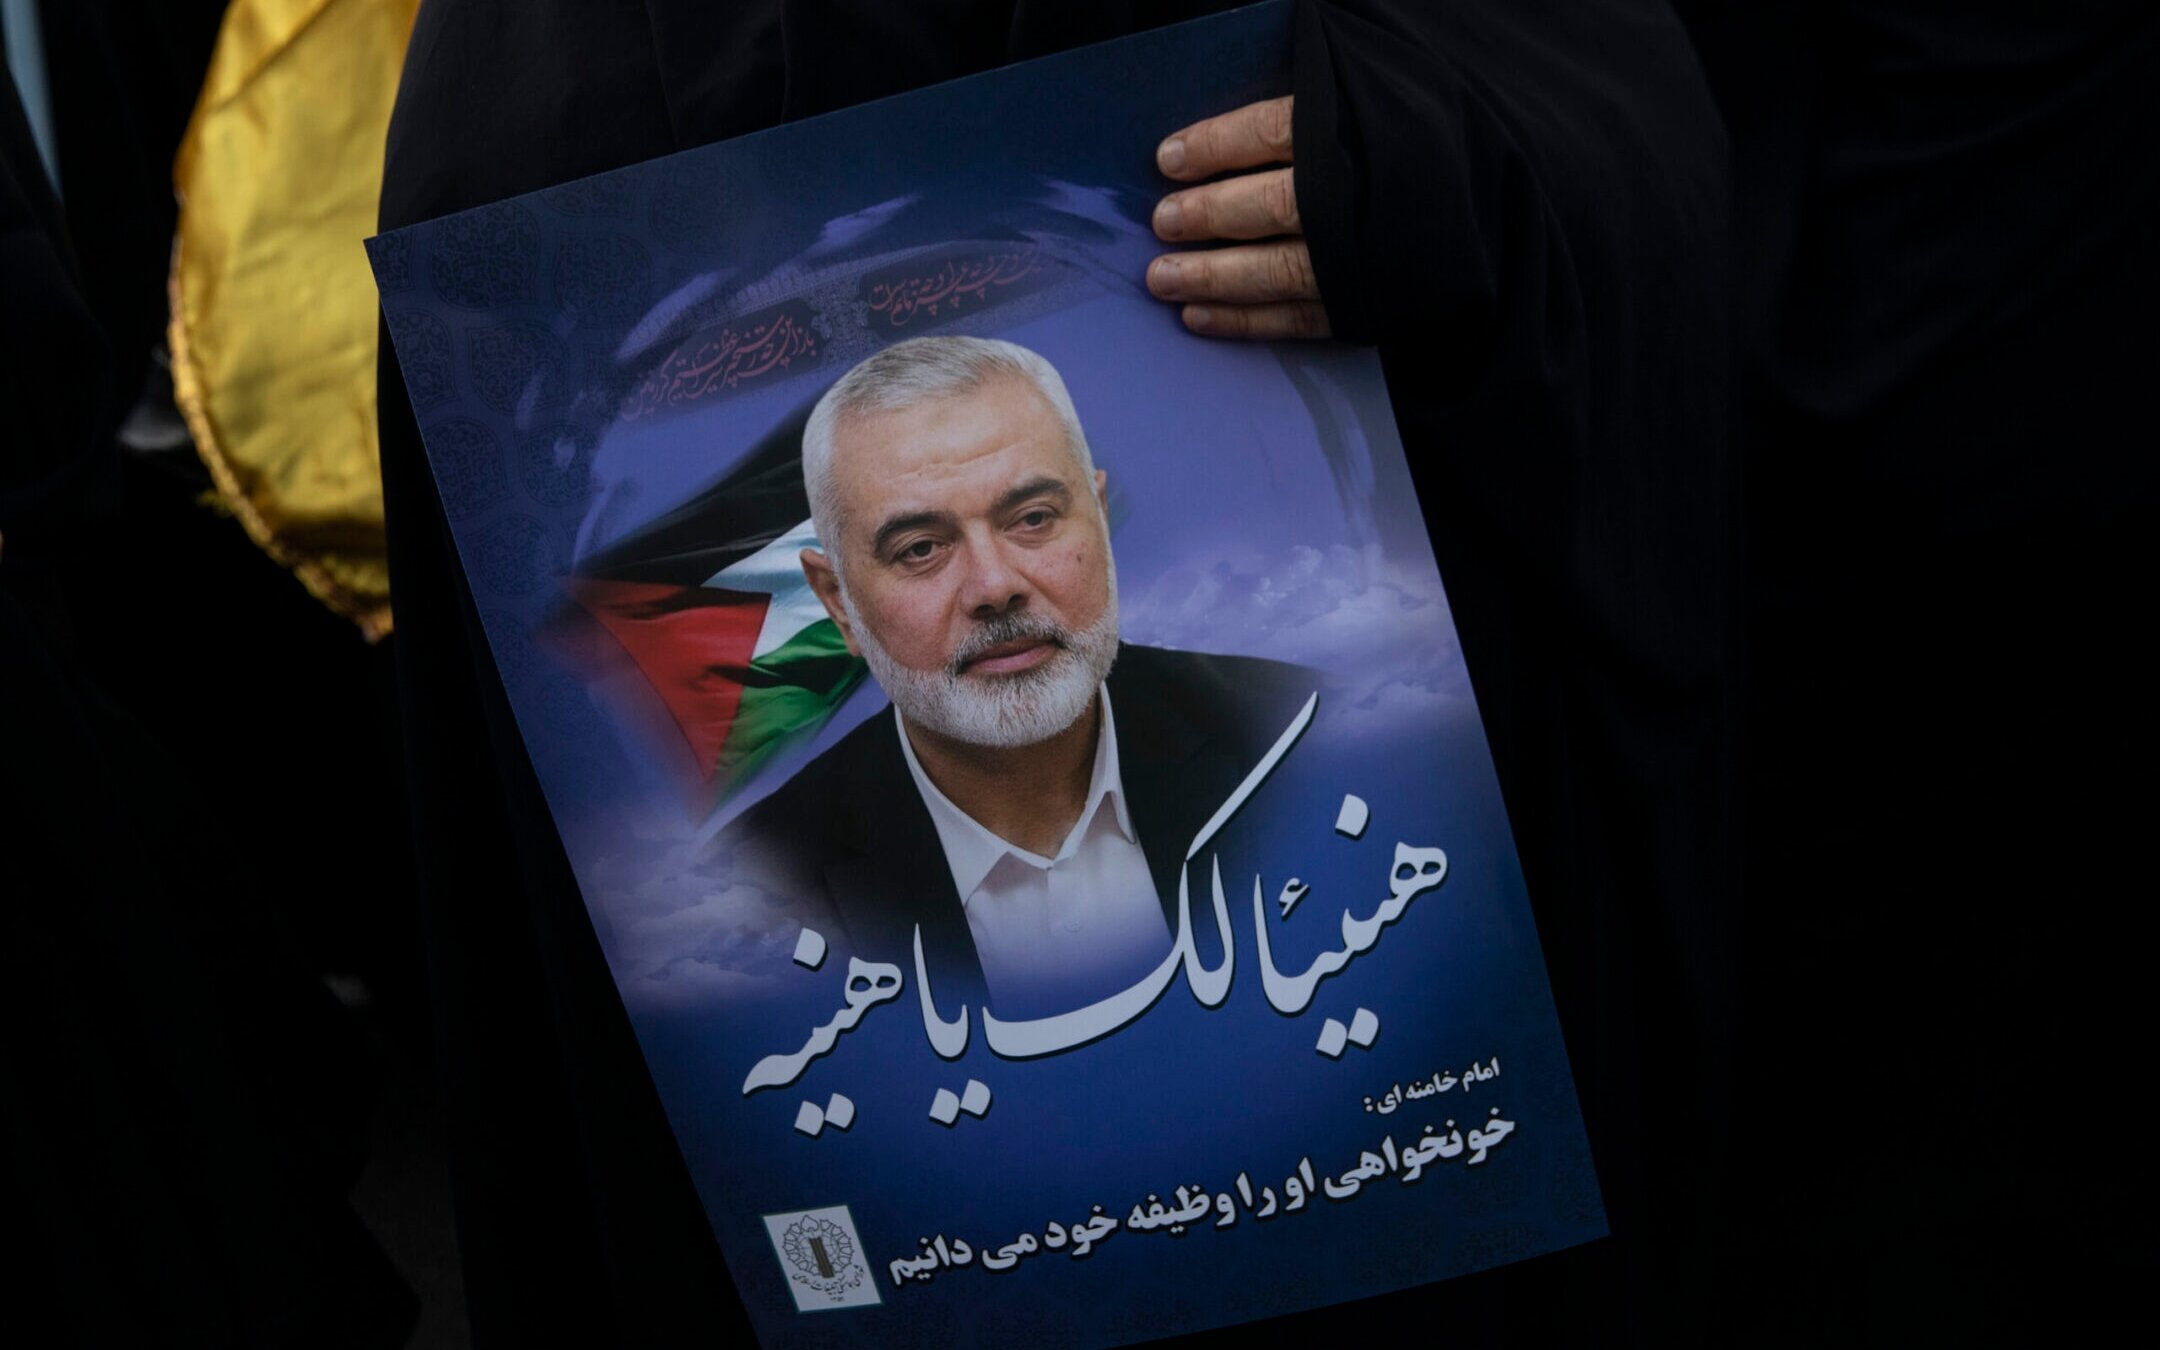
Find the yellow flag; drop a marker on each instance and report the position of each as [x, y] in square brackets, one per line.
[273, 307]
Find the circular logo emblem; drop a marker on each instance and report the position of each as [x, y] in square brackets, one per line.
[822, 1255]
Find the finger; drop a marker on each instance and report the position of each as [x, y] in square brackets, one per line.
[1258, 133]
[1252, 207]
[1286, 319]
[1245, 275]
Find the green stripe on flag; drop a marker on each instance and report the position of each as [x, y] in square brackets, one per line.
[791, 692]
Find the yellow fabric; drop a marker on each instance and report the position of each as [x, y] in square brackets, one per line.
[273, 307]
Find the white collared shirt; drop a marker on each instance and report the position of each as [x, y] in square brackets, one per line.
[1056, 933]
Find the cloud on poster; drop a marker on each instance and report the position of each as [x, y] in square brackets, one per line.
[1381, 629]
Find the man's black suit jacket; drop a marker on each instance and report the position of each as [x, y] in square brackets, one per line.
[850, 836]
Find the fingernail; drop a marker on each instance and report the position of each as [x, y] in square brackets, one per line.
[1199, 318]
[1168, 273]
[1168, 216]
[1172, 155]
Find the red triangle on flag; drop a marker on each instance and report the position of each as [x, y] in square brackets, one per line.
[693, 645]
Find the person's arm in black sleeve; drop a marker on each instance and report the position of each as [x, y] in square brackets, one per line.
[1525, 208]
[1451, 156]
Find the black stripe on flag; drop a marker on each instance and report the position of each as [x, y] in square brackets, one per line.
[756, 503]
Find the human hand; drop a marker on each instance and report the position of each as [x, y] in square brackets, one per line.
[1258, 290]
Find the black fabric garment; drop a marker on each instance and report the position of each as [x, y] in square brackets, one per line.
[1543, 267]
[57, 470]
[123, 80]
[1523, 207]
[1948, 214]
[181, 1101]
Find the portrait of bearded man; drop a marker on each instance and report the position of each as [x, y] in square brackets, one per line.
[1028, 803]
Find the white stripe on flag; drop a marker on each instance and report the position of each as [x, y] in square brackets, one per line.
[776, 570]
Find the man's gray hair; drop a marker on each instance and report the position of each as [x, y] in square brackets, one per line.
[912, 372]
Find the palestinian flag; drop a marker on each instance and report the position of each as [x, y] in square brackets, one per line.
[710, 604]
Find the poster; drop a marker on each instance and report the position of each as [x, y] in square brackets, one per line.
[1163, 961]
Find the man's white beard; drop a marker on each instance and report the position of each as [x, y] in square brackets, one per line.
[1004, 711]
